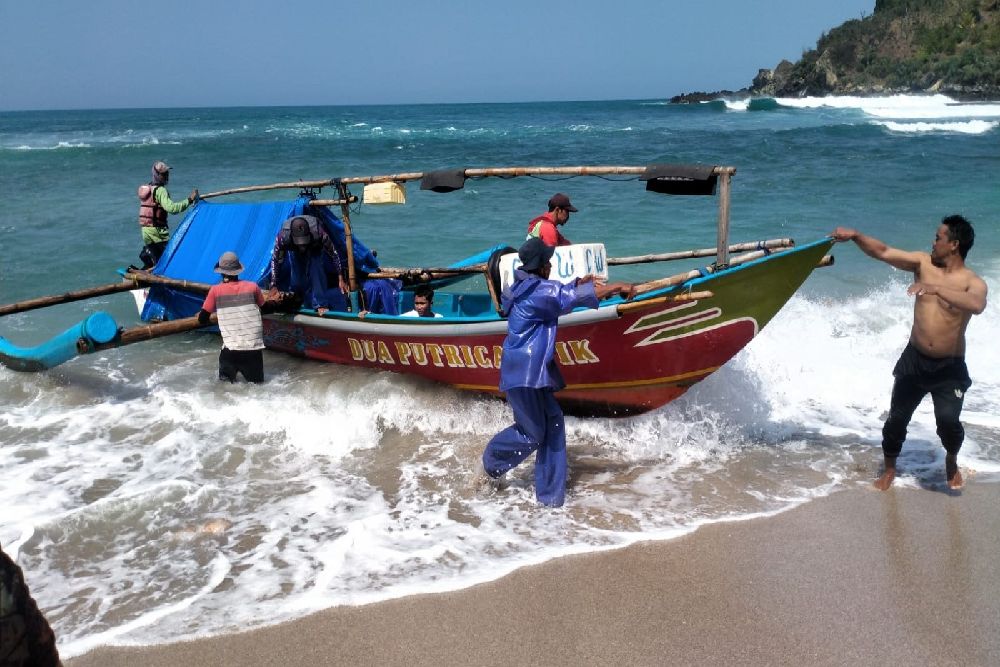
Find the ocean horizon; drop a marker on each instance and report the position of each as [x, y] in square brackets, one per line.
[148, 503]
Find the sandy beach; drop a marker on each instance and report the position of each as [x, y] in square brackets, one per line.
[860, 577]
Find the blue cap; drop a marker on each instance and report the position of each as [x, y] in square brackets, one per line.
[533, 253]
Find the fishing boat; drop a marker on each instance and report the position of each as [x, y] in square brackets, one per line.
[623, 358]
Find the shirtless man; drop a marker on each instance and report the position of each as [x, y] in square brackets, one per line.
[947, 295]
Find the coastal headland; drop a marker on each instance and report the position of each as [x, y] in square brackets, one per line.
[903, 47]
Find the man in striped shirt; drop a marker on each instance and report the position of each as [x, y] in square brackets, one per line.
[238, 304]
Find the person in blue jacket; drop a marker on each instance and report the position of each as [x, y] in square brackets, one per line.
[312, 263]
[529, 373]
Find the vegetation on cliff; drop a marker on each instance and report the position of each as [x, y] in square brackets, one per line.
[948, 46]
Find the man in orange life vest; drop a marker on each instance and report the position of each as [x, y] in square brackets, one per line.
[154, 205]
[545, 226]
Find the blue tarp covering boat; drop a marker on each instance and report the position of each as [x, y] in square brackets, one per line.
[249, 230]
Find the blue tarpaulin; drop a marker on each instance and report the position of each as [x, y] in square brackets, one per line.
[210, 229]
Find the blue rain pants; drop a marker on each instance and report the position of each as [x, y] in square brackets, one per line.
[309, 277]
[538, 425]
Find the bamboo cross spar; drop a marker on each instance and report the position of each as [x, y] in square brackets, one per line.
[632, 306]
[679, 278]
[425, 274]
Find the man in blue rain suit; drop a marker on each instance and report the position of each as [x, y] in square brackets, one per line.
[529, 374]
[313, 261]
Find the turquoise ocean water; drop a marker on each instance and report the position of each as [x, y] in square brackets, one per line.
[149, 503]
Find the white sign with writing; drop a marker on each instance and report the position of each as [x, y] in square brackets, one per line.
[568, 263]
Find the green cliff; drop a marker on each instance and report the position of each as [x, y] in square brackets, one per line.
[904, 46]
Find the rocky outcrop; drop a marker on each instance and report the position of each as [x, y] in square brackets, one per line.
[696, 97]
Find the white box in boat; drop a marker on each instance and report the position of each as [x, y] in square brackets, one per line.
[384, 193]
[568, 262]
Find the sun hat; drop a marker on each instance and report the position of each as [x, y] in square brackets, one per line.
[229, 264]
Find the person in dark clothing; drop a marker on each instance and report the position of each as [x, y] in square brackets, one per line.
[313, 261]
[26, 639]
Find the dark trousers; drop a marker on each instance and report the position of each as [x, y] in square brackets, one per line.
[151, 253]
[311, 278]
[248, 362]
[917, 375]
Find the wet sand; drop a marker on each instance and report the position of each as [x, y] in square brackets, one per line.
[908, 576]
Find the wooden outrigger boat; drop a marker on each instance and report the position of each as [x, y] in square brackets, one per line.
[624, 358]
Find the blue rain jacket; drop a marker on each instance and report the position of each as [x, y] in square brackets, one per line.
[534, 306]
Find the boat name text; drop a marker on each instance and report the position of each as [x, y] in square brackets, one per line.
[568, 353]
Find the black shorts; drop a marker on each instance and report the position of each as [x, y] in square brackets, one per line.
[248, 362]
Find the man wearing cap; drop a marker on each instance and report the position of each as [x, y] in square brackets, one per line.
[238, 303]
[312, 258]
[546, 226]
[529, 374]
[154, 205]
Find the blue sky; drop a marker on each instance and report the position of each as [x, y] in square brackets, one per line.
[59, 54]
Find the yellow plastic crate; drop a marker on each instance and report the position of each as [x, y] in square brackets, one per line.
[385, 193]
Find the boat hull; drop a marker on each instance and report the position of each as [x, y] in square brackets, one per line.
[616, 361]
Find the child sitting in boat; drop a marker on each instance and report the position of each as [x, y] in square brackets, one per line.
[423, 300]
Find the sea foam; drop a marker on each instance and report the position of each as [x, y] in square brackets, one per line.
[356, 486]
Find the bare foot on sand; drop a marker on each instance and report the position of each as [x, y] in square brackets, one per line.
[952, 473]
[888, 474]
[885, 481]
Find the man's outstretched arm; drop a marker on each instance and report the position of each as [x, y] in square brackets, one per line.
[871, 246]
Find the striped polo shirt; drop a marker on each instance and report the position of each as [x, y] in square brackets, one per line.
[238, 304]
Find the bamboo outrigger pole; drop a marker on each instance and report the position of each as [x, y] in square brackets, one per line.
[67, 297]
[143, 278]
[724, 175]
[501, 172]
[132, 280]
[150, 331]
[98, 331]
